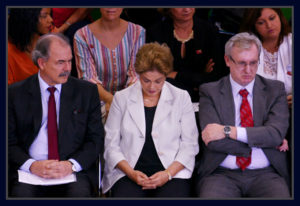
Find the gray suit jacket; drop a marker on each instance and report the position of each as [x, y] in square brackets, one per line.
[270, 115]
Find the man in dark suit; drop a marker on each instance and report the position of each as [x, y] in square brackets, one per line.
[54, 149]
[242, 129]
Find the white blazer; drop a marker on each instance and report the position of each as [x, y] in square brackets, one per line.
[284, 62]
[174, 131]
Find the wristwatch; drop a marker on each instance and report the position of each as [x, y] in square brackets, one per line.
[73, 167]
[227, 130]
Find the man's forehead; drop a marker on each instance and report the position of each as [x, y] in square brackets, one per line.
[57, 49]
[253, 49]
[58, 44]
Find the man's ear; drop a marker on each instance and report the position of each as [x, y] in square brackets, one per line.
[41, 62]
[227, 60]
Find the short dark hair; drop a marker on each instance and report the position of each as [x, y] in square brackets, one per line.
[42, 46]
[252, 14]
[22, 24]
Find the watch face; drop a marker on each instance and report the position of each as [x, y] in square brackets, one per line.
[226, 129]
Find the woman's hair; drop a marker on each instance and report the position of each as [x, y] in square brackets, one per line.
[22, 24]
[251, 16]
[242, 40]
[154, 56]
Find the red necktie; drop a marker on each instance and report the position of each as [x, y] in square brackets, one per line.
[246, 121]
[52, 127]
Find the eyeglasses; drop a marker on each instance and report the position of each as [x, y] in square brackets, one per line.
[242, 64]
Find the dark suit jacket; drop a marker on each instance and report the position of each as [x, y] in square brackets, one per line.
[270, 115]
[80, 134]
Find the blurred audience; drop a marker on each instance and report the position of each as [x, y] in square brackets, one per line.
[68, 21]
[25, 25]
[273, 30]
[271, 27]
[193, 45]
[151, 133]
[141, 16]
[64, 18]
[105, 53]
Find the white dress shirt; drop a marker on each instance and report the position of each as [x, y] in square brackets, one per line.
[258, 157]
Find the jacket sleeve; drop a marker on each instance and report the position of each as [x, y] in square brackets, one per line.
[207, 115]
[276, 120]
[188, 147]
[16, 151]
[112, 152]
[93, 142]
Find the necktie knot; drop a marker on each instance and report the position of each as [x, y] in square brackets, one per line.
[244, 93]
[51, 90]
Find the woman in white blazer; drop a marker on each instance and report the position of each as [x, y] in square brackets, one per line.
[270, 25]
[151, 133]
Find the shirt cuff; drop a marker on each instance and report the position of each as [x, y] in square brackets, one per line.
[76, 164]
[241, 134]
[26, 166]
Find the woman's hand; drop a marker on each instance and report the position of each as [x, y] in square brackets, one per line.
[209, 66]
[139, 177]
[157, 180]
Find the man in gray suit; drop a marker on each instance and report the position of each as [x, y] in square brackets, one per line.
[242, 132]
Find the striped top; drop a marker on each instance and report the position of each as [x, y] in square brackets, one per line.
[112, 68]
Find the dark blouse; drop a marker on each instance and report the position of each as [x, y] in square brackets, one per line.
[191, 69]
[149, 162]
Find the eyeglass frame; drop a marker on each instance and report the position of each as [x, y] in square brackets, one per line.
[244, 64]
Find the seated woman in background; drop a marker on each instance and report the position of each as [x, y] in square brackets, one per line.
[273, 30]
[105, 53]
[151, 133]
[25, 26]
[271, 27]
[193, 44]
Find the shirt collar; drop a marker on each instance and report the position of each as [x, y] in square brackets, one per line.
[237, 87]
[44, 86]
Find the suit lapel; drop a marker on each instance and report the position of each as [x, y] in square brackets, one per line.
[163, 107]
[226, 103]
[35, 104]
[136, 107]
[259, 101]
[65, 105]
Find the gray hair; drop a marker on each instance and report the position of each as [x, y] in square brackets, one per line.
[42, 46]
[242, 40]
